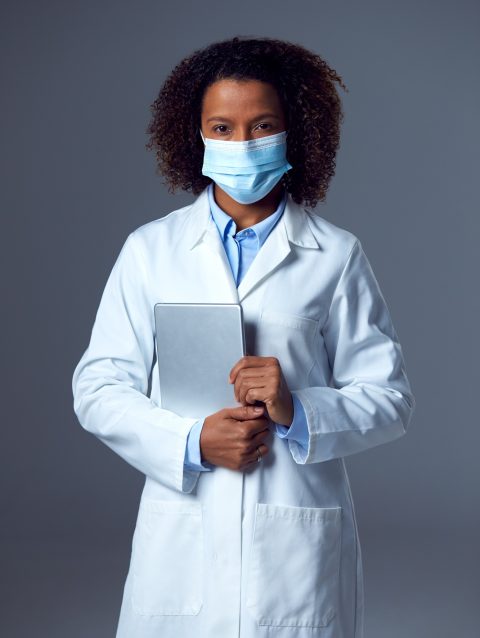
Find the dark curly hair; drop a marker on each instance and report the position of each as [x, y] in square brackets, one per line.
[306, 88]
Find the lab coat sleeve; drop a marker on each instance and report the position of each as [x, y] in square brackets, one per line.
[110, 382]
[370, 400]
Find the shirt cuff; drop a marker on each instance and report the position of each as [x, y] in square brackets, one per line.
[193, 457]
[298, 429]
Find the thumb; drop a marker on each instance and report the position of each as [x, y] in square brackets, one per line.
[246, 412]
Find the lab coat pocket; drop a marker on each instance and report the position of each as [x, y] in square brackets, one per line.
[290, 338]
[293, 574]
[288, 320]
[167, 558]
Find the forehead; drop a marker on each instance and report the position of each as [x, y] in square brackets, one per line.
[239, 96]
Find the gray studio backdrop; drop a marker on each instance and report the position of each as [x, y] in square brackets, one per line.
[77, 79]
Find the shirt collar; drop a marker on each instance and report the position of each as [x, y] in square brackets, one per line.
[225, 223]
[296, 223]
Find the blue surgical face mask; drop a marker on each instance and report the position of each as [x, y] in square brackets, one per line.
[246, 170]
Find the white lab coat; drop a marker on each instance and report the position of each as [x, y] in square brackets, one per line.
[274, 550]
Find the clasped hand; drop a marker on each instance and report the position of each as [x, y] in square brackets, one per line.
[261, 379]
[232, 437]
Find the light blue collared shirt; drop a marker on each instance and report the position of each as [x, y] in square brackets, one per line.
[241, 249]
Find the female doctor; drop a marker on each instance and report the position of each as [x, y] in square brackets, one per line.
[246, 526]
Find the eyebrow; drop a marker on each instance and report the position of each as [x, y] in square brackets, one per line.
[258, 117]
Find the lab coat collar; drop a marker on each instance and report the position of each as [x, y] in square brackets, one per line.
[295, 224]
[292, 228]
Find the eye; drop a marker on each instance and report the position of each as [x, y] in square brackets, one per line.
[221, 129]
[263, 126]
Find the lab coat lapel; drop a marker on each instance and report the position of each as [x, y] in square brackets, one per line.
[274, 250]
[202, 234]
[292, 227]
[212, 242]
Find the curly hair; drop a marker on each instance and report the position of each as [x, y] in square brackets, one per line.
[306, 89]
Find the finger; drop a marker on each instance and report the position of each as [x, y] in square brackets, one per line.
[245, 381]
[262, 449]
[242, 384]
[247, 362]
[264, 375]
[255, 426]
[258, 439]
[245, 412]
[253, 371]
[250, 392]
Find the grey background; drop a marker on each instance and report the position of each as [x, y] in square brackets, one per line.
[77, 79]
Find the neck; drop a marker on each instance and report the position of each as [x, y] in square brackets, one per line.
[246, 215]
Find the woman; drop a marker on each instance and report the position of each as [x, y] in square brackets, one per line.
[246, 523]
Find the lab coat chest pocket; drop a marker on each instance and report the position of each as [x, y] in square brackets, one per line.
[290, 338]
[293, 574]
[167, 558]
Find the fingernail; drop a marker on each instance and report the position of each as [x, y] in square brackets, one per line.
[258, 410]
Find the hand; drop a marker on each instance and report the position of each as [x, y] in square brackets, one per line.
[261, 379]
[230, 437]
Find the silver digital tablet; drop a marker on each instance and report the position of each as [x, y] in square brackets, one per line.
[197, 345]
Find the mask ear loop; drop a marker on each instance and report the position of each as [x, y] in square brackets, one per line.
[284, 176]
